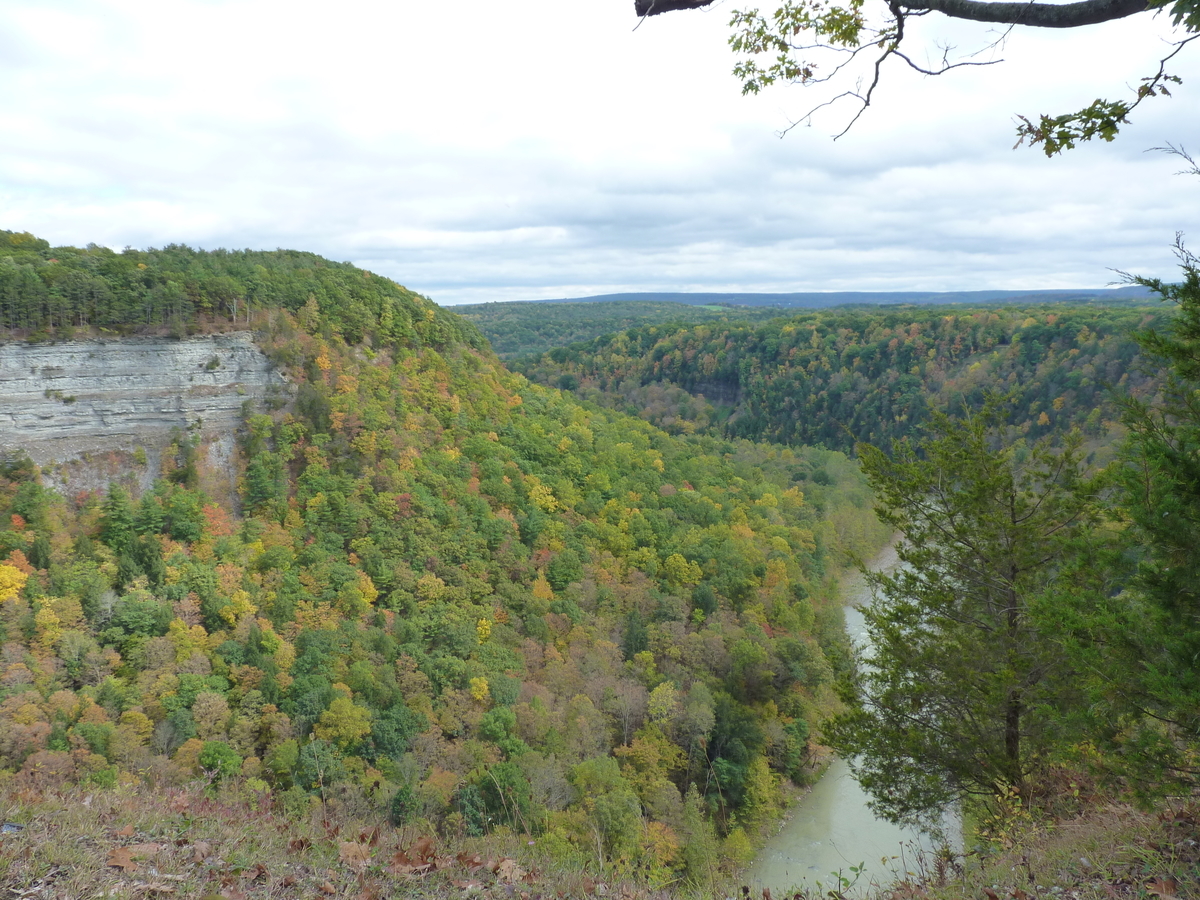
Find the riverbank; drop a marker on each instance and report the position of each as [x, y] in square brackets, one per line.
[830, 833]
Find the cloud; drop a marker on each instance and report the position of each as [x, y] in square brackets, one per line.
[538, 149]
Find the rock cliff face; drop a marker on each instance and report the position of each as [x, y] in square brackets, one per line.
[63, 401]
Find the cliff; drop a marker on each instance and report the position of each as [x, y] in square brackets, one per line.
[67, 400]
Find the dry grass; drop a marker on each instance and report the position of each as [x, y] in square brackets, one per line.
[1110, 852]
[132, 842]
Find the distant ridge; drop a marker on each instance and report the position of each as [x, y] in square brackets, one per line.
[821, 299]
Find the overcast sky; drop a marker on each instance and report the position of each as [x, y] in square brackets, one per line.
[486, 150]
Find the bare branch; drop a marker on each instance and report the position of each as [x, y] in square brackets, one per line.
[1183, 154]
[946, 67]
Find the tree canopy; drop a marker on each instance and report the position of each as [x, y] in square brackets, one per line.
[812, 42]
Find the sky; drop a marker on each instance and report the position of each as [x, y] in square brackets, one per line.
[482, 150]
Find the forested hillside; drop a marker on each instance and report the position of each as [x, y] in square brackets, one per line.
[522, 329]
[447, 593]
[53, 291]
[834, 378]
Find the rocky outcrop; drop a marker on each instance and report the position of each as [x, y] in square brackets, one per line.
[62, 401]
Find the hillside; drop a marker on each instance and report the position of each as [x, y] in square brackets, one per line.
[522, 329]
[443, 594]
[836, 377]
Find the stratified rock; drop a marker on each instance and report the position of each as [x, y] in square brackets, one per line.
[60, 401]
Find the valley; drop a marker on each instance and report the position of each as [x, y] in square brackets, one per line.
[280, 539]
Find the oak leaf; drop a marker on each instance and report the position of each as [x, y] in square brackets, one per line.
[121, 858]
[354, 854]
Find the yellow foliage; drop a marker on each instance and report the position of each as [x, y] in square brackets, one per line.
[542, 590]
[49, 627]
[344, 723]
[137, 724]
[187, 640]
[365, 443]
[483, 630]
[285, 656]
[187, 757]
[239, 605]
[367, 587]
[479, 689]
[430, 587]
[27, 714]
[541, 495]
[682, 571]
[12, 580]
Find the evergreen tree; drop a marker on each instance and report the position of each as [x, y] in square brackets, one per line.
[966, 690]
[1142, 643]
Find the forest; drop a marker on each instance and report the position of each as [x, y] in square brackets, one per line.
[589, 614]
[524, 329]
[445, 593]
[835, 377]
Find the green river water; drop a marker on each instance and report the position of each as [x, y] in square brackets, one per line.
[830, 829]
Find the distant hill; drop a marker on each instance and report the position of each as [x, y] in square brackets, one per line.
[527, 329]
[821, 299]
[834, 377]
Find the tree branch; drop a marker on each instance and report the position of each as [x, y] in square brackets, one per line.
[1039, 15]
[658, 7]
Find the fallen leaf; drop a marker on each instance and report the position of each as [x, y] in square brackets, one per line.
[470, 885]
[1163, 887]
[468, 861]
[201, 850]
[508, 870]
[327, 888]
[991, 895]
[354, 854]
[121, 858]
[255, 872]
[423, 849]
[127, 831]
[370, 838]
[299, 845]
[154, 887]
[290, 880]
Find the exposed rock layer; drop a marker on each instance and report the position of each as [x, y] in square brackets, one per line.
[59, 401]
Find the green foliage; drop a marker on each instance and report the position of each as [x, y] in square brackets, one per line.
[1134, 632]
[404, 806]
[839, 376]
[430, 581]
[812, 42]
[967, 690]
[522, 329]
[220, 760]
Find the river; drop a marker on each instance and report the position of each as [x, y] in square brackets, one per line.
[831, 828]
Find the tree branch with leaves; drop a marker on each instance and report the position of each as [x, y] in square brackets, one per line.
[814, 42]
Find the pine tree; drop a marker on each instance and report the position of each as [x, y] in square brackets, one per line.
[965, 690]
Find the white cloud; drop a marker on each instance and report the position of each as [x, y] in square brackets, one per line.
[536, 149]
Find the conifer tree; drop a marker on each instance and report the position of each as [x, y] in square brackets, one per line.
[965, 689]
